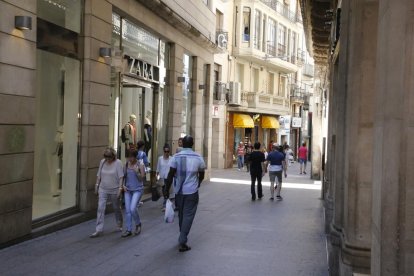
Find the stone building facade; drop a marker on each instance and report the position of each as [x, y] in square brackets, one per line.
[365, 48]
[68, 84]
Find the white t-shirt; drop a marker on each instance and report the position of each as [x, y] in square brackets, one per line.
[163, 167]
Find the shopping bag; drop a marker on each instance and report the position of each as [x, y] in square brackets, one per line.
[169, 212]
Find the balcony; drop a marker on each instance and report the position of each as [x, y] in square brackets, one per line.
[283, 10]
[308, 70]
[265, 103]
[299, 96]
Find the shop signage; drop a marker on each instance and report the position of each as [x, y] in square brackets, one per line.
[284, 122]
[142, 70]
[296, 122]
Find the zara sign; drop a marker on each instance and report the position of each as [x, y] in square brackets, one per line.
[142, 70]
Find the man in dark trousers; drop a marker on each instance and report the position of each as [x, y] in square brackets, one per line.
[187, 167]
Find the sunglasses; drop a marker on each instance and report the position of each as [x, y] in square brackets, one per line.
[166, 151]
[107, 156]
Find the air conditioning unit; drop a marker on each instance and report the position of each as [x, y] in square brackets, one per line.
[220, 92]
[235, 93]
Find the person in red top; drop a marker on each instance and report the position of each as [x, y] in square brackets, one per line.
[240, 155]
[303, 157]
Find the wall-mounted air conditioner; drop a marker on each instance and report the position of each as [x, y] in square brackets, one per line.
[235, 93]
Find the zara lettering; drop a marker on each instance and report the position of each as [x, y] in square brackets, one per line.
[142, 70]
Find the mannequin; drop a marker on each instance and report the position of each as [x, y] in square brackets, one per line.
[130, 134]
[148, 131]
[57, 187]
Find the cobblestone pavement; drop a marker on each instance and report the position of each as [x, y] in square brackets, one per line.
[231, 235]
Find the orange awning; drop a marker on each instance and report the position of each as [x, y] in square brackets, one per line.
[270, 122]
[242, 121]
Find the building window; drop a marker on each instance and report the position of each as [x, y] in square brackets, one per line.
[293, 46]
[257, 29]
[282, 86]
[255, 80]
[187, 96]
[219, 20]
[271, 38]
[246, 23]
[240, 74]
[58, 78]
[271, 83]
[281, 41]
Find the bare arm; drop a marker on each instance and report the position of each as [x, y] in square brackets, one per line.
[201, 176]
[169, 181]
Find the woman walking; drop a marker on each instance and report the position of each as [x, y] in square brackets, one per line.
[240, 155]
[133, 188]
[109, 187]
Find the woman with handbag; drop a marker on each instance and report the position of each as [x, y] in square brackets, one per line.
[109, 187]
[133, 188]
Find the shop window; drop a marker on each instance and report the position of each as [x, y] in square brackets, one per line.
[57, 133]
[246, 23]
[56, 143]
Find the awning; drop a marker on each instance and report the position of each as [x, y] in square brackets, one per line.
[270, 122]
[242, 121]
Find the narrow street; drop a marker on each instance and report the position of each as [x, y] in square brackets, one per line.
[231, 235]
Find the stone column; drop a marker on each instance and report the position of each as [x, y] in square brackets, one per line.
[360, 96]
[197, 120]
[393, 170]
[175, 94]
[17, 119]
[96, 97]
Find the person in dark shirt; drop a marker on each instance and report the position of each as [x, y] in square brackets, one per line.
[257, 170]
[276, 165]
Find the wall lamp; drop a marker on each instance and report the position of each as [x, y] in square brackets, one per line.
[201, 86]
[104, 52]
[23, 22]
[180, 79]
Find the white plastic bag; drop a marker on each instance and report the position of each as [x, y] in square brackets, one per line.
[169, 212]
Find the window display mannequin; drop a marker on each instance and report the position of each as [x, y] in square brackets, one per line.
[148, 131]
[56, 186]
[130, 131]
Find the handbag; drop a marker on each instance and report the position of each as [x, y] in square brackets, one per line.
[155, 193]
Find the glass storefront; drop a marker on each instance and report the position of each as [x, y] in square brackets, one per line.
[132, 93]
[57, 107]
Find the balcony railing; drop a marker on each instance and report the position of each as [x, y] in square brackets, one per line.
[308, 70]
[222, 38]
[283, 10]
[266, 101]
[271, 50]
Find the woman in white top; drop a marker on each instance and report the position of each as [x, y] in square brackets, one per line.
[109, 185]
[163, 167]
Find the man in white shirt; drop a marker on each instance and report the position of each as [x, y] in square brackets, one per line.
[188, 169]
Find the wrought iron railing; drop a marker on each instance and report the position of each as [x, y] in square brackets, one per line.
[283, 10]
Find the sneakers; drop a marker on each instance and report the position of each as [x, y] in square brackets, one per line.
[272, 198]
[184, 248]
[95, 234]
[126, 234]
[279, 197]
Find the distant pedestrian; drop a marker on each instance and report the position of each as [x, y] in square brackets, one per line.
[109, 185]
[141, 155]
[240, 155]
[264, 150]
[248, 152]
[269, 148]
[303, 157]
[257, 171]
[276, 161]
[289, 155]
[133, 189]
[163, 167]
[180, 145]
[188, 169]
